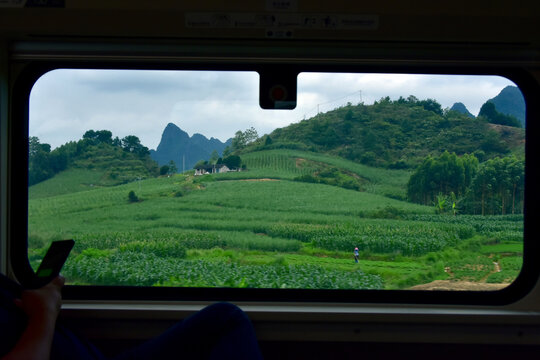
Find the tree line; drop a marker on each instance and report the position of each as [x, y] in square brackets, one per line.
[460, 183]
[44, 163]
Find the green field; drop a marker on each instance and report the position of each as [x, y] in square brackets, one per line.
[288, 164]
[260, 228]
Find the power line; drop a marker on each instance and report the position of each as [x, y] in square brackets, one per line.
[359, 92]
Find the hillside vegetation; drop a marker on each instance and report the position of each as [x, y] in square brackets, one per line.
[394, 134]
[95, 160]
[322, 168]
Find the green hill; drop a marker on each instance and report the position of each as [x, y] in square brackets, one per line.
[294, 164]
[68, 181]
[392, 134]
[87, 163]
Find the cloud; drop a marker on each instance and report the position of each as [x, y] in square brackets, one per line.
[65, 103]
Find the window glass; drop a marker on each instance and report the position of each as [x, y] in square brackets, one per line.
[374, 181]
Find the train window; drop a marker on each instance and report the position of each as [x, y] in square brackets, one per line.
[178, 179]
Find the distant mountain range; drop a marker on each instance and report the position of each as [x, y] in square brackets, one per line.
[178, 146]
[510, 101]
[462, 109]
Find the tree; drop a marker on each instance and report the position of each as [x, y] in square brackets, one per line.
[242, 139]
[132, 144]
[132, 197]
[58, 160]
[251, 135]
[238, 141]
[39, 166]
[440, 177]
[492, 143]
[116, 142]
[233, 161]
[442, 203]
[34, 146]
[268, 140]
[227, 151]
[100, 136]
[498, 187]
[164, 170]
[213, 157]
[431, 105]
[172, 168]
[517, 181]
[200, 163]
[411, 99]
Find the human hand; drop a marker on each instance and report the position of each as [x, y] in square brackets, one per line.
[42, 307]
[44, 303]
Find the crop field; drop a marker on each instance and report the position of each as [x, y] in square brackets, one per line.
[287, 164]
[262, 229]
[69, 181]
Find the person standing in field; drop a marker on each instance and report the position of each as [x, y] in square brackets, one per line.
[356, 255]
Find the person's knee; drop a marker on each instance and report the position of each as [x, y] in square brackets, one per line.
[226, 313]
[224, 308]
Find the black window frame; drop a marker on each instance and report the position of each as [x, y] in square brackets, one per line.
[18, 191]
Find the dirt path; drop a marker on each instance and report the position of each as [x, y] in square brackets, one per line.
[496, 268]
[453, 285]
[449, 285]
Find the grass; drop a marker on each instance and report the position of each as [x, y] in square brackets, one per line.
[256, 233]
[287, 164]
[515, 248]
[69, 181]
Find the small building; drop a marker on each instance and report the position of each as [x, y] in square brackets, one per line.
[211, 169]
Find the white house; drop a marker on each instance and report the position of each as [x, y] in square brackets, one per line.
[211, 169]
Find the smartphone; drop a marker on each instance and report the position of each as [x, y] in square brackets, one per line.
[53, 261]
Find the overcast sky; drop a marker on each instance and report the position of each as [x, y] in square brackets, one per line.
[64, 104]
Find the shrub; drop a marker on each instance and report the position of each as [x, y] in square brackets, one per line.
[306, 178]
[160, 249]
[132, 197]
[388, 212]
[203, 178]
[164, 170]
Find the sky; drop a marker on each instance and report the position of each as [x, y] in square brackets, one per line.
[65, 103]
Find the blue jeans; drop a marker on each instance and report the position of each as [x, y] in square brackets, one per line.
[219, 331]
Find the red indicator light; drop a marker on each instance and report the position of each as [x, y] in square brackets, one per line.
[278, 93]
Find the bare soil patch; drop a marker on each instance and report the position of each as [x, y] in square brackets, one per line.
[449, 285]
[300, 162]
[512, 136]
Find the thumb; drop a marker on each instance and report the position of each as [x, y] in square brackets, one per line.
[59, 281]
